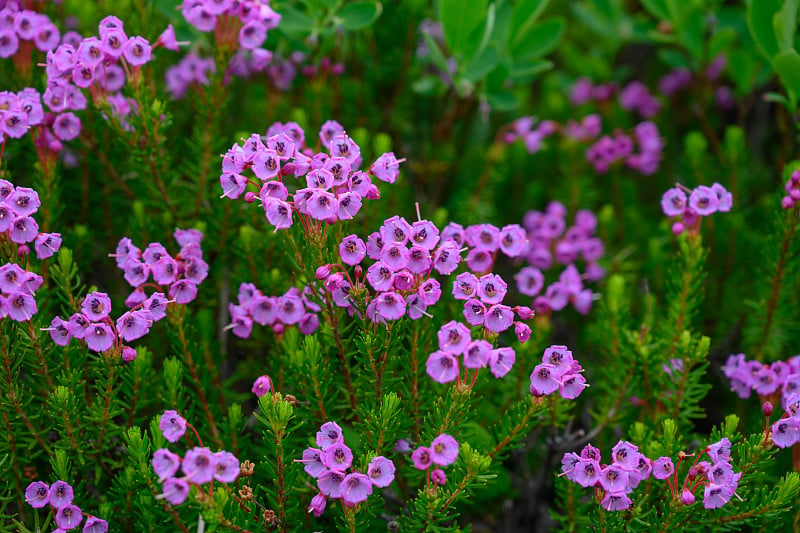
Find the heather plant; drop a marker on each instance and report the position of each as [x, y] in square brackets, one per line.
[398, 266]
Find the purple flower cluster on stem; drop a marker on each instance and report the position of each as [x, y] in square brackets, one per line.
[335, 188]
[199, 465]
[551, 241]
[17, 288]
[442, 452]
[292, 308]
[558, 372]
[615, 482]
[331, 464]
[23, 29]
[701, 201]
[792, 188]
[59, 496]
[17, 224]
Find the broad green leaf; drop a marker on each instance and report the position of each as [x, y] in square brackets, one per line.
[480, 66]
[721, 42]
[526, 13]
[359, 15]
[785, 23]
[540, 40]
[531, 69]
[691, 33]
[459, 19]
[502, 27]
[294, 21]
[742, 69]
[760, 16]
[502, 100]
[787, 65]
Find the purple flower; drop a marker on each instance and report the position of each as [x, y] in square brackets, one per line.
[424, 234]
[703, 200]
[613, 478]
[330, 483]
[175, 490]
[477, 354]
[501, 360]
[226, 467]
[134, 325]
[438, 476]
[447, 257]
[278, 212]
[355, 488]
[96, 306]
[165, 463]
[47, 244]
[663, 468]
[95, 525]
[443, 450]
[338, 457]
[491, 289]
[183, 291]
[312, 462]
[60, 494]
[530, 281]
[390, 306]
[475, 312]
[454, 337]
[329, 434]
[37, 494]
[422, 458]
[724, 198]
[720, 451]
[199, 465]
[587, 472]
[687, 498]
[616, 501]
[261, 386]
[786, 432]
[99, 337]
[172, 425]
[23, 230]
[715, 495]
[317, 505]
[386, 167]
[68, 517]
[543, 380]
[572, 385]
[381, 471]
[442, 367]
[498, 318]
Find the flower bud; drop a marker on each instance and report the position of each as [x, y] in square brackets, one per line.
[787, 202]
[524, 313]
[288, 169]
[323, 272]
[766, 408]
[359, 271]
[687, 498]
[128, 354]
[677, 228]
[250, 197]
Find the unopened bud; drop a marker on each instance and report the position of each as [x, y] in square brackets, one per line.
[766, 407]
[524, 313]
[687, 498]
[323, 272]
[288, 169]
[250, 197]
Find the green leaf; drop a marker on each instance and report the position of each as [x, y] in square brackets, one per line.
[787, 65]
[760, 16]
[482, 65]
[529, 69]
[502, 100]
[540, 40]
[295, 22]
[785, 23]
[526, 13]
[358, 15]
[459, 19]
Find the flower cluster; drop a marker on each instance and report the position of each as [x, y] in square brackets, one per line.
[487, 309]
[454, 341]
[442, 452]
[551, 242]
[60, 497]
[94, 326]
[199, 465]
[558, 371]
[17, 207]
[329, 465]
[636, 97]
[680, 79]
[192, 69]
[17, 288]
[702, 202]
[181, 274]
[792, 188]
[19, 27]
[335, 188]
[246, 21]
[630, 467]
[639, 150]
[584, 90]
[764, 379]
[293, 308]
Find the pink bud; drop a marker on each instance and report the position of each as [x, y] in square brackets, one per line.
[323, 272]
[288, 169]
[787, 202]
[359, 271]
[22, 250]
[677, 228]
[278, 328]
[128, 354]
[250, 197]
[766, 408]
[524, 313]
[687, 498]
